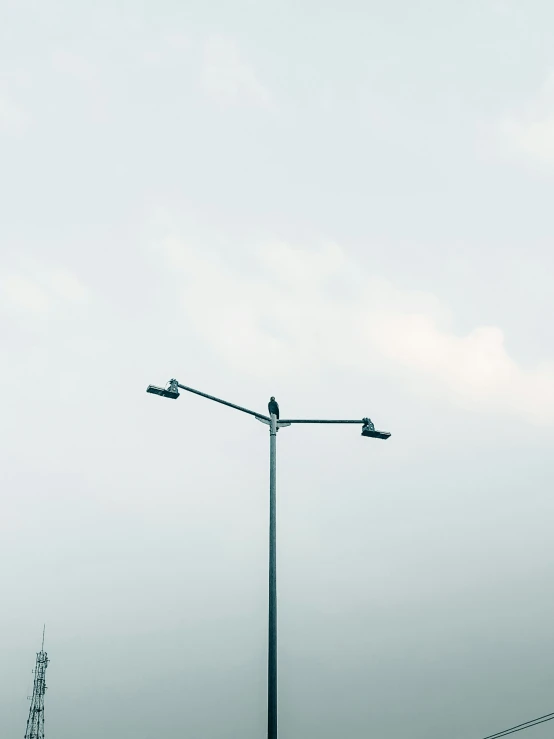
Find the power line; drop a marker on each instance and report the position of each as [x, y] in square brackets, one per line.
[521, 727]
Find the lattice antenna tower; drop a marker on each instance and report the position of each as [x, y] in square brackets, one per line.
[35, 722]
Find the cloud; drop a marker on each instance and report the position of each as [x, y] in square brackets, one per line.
[39, 293]
[24, 293]
[227, 78]
[13, 119]
[84, 81]
[74, 65]
[66, 286]
[168, 50]
[531, 132]
[297, 310]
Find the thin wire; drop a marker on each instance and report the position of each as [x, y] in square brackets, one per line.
[521, 727]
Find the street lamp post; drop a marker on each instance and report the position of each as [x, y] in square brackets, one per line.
[368, 430]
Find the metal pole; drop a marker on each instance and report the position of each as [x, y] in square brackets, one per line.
[368, 430]
[272, 621]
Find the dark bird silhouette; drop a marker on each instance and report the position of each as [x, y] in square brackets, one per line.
[273, 407]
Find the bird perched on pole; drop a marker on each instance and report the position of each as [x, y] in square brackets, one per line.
[273, 407]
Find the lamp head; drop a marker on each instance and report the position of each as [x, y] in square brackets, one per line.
[171, 391]
[368, 429]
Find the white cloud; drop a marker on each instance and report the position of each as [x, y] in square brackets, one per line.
[24, 293]
[85, 77]
[74, 65]
[39, 292]
[65, 285]
[227, 78]
[297, 310]
[13, 119]
[168, 49]
[531, 131]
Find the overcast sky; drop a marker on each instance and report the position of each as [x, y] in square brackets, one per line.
[346, 205]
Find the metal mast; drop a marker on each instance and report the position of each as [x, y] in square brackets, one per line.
[274, 423]
[35, 722]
